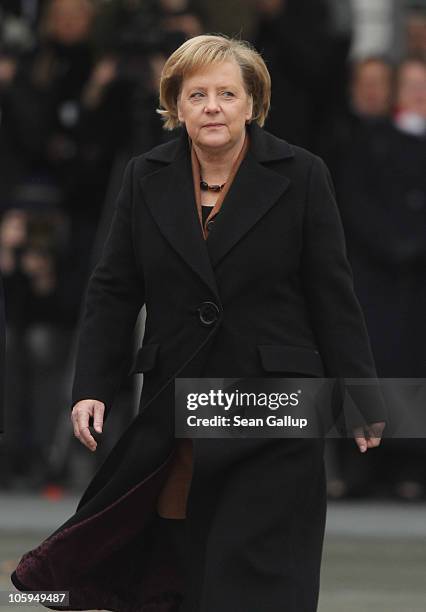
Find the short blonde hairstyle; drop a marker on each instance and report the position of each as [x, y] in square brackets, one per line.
[200, 51]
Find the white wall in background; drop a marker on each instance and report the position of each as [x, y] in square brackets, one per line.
[373, 26]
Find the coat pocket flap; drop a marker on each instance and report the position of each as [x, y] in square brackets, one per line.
[145, 358]
[300, 359]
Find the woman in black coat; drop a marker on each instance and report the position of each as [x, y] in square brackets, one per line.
[232, 239]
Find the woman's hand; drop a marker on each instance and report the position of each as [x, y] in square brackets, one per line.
[369, 436]
[81, 412]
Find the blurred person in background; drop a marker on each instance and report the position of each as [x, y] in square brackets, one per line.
[368, 104]
[182, 16]
[381, 186]
[307, 63]
[371, 88]
[12, 159]
[407, 148]
[415, 31]
[16, 40]
[39, 298]
[346, 140]
[410, 109]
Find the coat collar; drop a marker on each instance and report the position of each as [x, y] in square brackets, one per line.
[169, 193]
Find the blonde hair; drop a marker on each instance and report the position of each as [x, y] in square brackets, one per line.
[199, 52]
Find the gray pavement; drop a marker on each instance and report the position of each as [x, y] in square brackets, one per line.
[374, 553]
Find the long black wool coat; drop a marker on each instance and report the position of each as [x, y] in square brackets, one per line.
[269, 293]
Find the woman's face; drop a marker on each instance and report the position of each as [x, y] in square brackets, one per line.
[69, 21]
[412, 88]
[214, 106]
[372, 88]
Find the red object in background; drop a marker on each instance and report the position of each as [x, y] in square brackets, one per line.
[53, 492]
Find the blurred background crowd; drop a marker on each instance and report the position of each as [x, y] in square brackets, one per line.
[78, 93]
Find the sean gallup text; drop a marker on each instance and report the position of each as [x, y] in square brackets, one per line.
[238, 421]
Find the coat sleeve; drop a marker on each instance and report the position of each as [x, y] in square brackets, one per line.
[114, 297]
[336, 314]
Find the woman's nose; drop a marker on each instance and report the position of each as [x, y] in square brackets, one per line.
[212, 105]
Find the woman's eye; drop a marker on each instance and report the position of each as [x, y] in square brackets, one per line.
[228, 94]
[196, 94]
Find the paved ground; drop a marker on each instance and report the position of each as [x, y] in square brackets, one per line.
[374, 555]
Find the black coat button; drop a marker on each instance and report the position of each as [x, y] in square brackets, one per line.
[208, 313]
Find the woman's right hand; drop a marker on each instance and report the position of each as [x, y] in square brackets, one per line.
[81, 412]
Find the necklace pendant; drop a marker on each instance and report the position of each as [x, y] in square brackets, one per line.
[206, 187]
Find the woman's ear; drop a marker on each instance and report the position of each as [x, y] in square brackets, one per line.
[179, 110]
[249, 114]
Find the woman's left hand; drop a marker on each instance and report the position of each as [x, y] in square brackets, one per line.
[369, 436]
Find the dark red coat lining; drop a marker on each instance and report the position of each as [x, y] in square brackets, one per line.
[113, 559]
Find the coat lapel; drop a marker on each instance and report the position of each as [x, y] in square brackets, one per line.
[169, 193]
[254, 190]
[170, 196]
